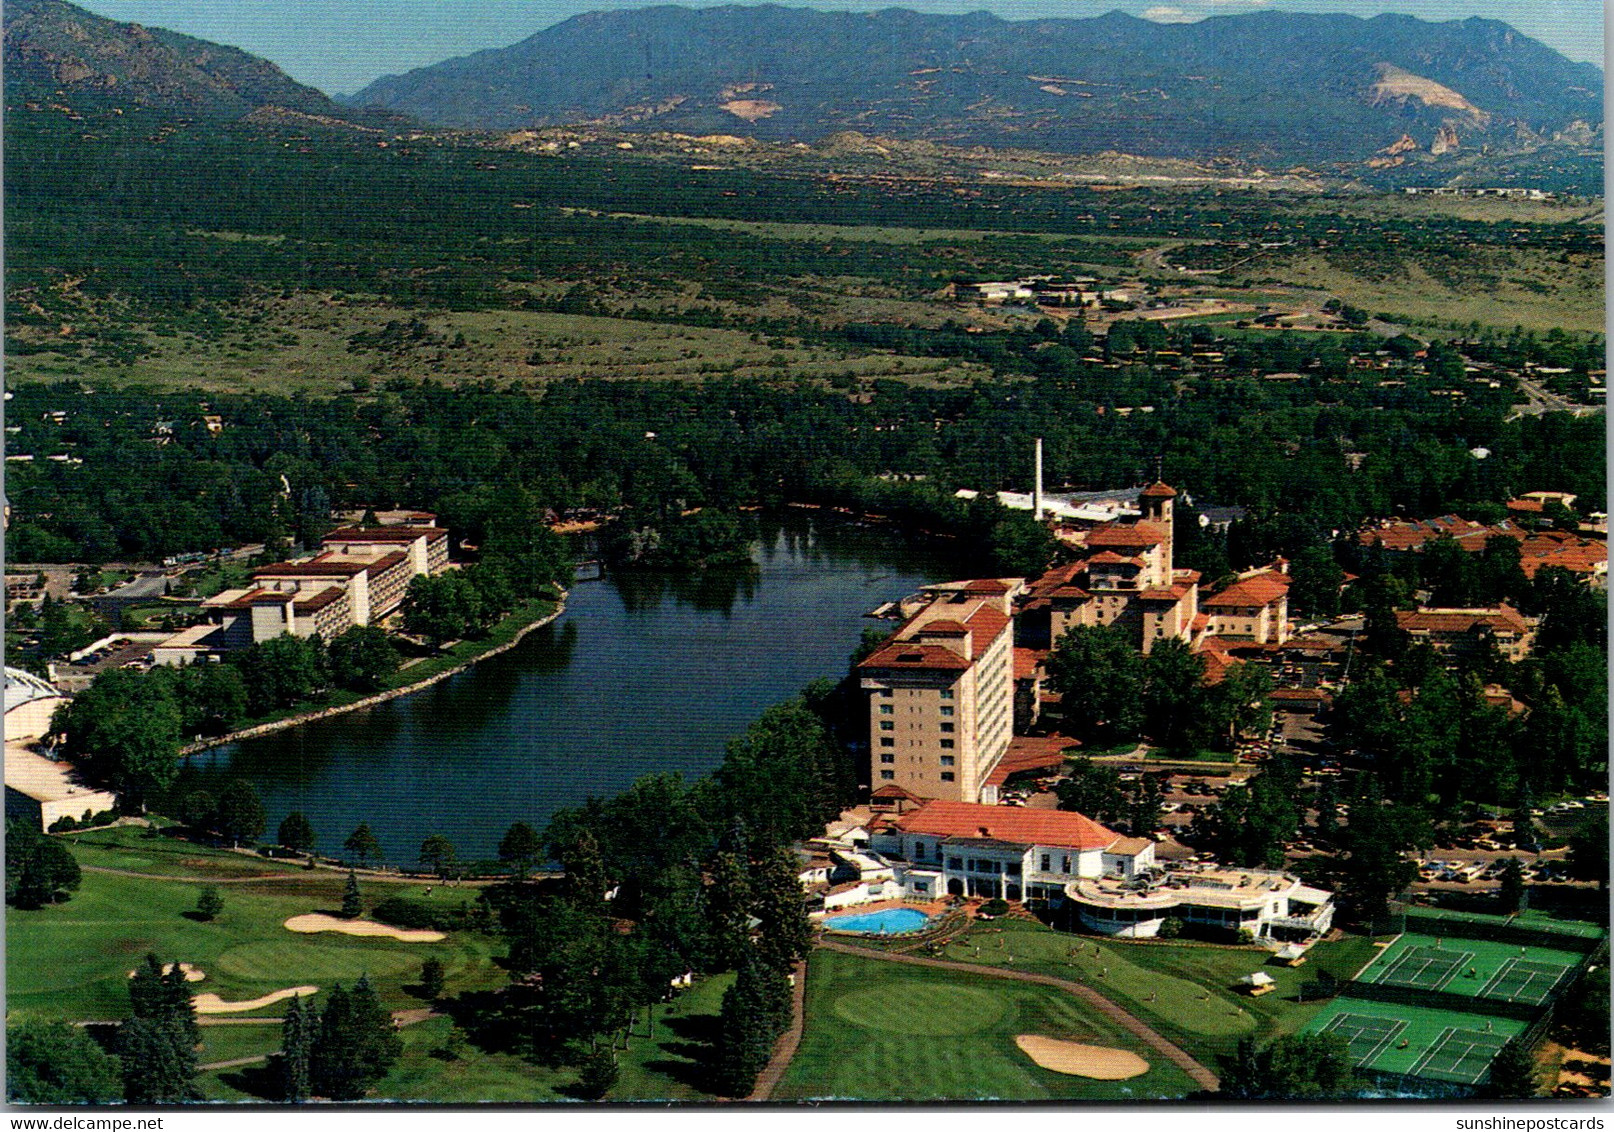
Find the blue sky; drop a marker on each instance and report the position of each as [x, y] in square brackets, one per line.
[340, 46]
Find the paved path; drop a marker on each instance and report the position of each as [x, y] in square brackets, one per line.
[1202, 1076]
[235, 1061]
[785, 1049]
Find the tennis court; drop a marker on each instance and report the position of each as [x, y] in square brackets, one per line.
[1423, 968]
[1460, 1056]
[1440, 1045]
[1521, 980]
[1366, 1034]
[1473, 968]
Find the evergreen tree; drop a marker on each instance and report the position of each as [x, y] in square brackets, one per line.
[431, 979]
[352, 901]
[209, 904]
[748, 1022]
[159, 1061]
[291, 1068]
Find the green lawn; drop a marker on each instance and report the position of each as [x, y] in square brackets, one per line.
[878, 1030]
[1196, 1001]
[71, 961]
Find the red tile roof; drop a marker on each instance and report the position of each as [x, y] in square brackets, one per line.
[1130, 534]
[313, 603]
[1532, 506]
[1262, 589]
[1505, 618]
[943, 627]
[1159, 491]
[1110, 558]
[1016, 824]
[1026, 661]
[905, 654]
[1028, 753]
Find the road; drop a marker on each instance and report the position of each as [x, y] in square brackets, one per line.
[1540, 400]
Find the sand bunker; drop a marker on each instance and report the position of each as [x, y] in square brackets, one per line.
[320, 922]
[1077, 1060]
[213, 1004]
[192, 974]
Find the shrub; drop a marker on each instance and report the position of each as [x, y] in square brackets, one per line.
[1170, 928]
[401, 912]
[994, 907]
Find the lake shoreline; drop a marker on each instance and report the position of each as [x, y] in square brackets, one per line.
[379, 697]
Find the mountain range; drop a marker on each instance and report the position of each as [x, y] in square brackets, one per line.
[1276, 87]
[1331, 93]
[57, 50]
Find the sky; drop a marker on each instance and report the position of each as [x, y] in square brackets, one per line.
[340, 46]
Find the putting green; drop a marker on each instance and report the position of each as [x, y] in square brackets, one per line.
[913, 1007]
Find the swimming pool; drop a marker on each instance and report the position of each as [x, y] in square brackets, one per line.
[889, 921]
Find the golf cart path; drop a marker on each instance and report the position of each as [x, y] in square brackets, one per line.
[1172, 1052]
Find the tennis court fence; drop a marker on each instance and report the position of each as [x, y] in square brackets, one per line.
[1439, 1000]
[1523, 935]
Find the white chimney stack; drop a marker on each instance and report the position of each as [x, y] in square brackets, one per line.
[1036, 492]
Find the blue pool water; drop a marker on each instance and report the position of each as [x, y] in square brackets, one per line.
[891, 921]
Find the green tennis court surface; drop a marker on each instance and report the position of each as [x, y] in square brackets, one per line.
[1366, 1035]
[1520, 980]
[1474, 968]
[1441, 1045]
[1462, 1056]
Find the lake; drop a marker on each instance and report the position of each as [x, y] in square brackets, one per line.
[642, 673]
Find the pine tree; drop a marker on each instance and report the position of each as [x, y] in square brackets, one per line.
[378, 1041]
[748, 1022]
[599, 1074]
[431, 979]
[352, 902]
[159, 1061]
[333, 1065]
[296, 1044]
[1513, 1074]
[209, 904]
[727, 903]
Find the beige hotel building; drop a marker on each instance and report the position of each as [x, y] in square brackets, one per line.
[941, 692]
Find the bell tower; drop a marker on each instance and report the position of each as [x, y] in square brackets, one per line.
[1156, 503]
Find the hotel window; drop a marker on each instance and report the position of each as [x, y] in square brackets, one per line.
[1046, 862]
[888, 742]
[886, 692]
[947, 776]
[888, 758]
[946, 711]
[1064, 864]
[955, 862]
[887, 775]
[947, 693]
[947, 728]
[947, 760]
[886, 709]
[887, 725]
[947, 744]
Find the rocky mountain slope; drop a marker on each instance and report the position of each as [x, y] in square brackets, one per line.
[1279, 88]
[56, 50]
